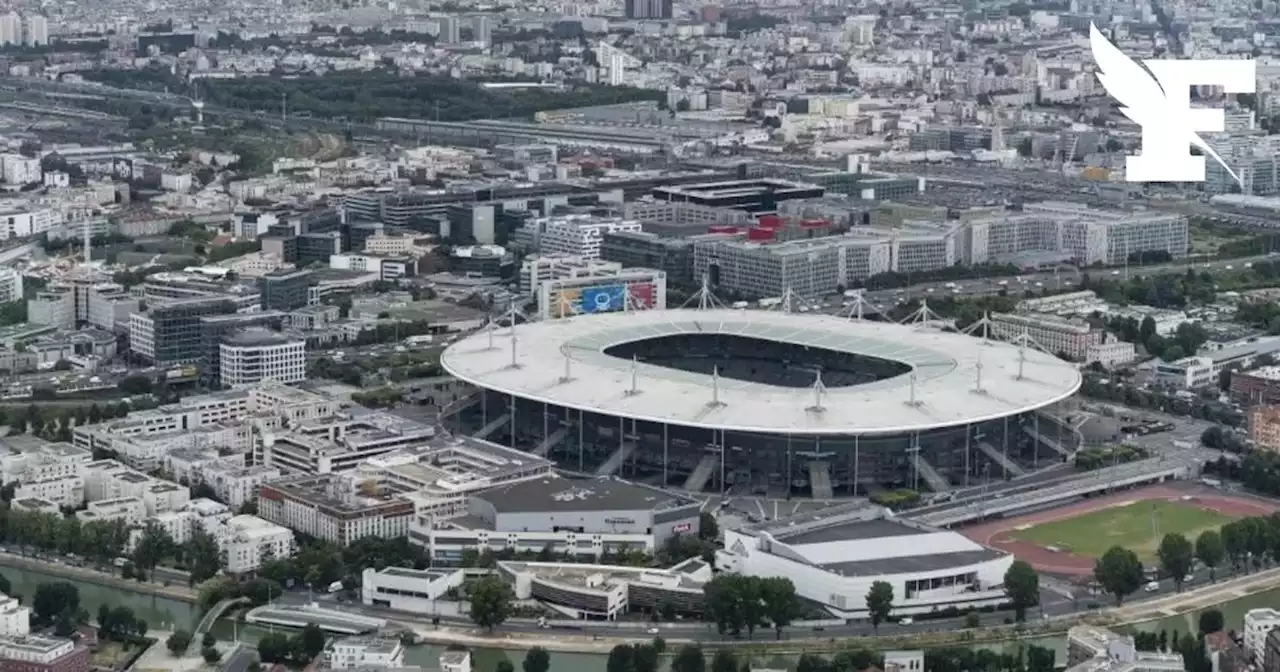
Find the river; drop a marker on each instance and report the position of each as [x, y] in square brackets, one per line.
[163, 612]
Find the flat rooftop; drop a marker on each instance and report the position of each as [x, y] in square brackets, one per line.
[574, 494]
[858, 530]
[911, 563]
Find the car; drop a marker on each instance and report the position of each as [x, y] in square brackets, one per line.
[652, 631]
[906, 620]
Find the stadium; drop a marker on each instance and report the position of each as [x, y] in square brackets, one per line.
[763, 402]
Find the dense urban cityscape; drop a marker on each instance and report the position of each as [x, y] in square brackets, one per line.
[634, 336]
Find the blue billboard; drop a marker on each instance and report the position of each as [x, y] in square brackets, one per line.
[604, 299]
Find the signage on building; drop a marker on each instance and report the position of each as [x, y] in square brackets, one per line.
[619, 521]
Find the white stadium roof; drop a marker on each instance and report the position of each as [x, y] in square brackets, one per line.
[946, 367]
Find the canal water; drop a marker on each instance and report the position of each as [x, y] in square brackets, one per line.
[165, 613]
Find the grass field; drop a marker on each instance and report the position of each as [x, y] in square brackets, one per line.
[1131, 526]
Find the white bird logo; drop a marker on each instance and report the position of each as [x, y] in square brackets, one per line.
[1138, 93]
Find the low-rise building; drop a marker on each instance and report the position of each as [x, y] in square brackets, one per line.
[42, 654]
[335, 507]
[409, 590]
[1091, 648]
[339, 443]
[249, 541]
[593, 592]
[130, 510]
[353, 653]
[1258, 623]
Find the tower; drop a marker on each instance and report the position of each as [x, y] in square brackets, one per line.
[88, 242]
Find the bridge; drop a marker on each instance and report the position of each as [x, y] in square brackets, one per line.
[209, 619]
[1142, 472]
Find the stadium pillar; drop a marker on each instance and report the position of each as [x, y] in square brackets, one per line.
[1035, 457]
[546, 420]
[1004, 470]
[790, 476]
[622, 441]
[635, 436]
[484, 408]
[582, 422]
[856, 461]
[968, 438]
[665, 446]
[722, 449]
[513, 422]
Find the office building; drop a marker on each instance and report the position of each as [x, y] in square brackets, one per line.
[606, 592]
[325, 445]
[537, 269]
[1264, 426]
[756, 196]
[316, 247]
[385, 267]
[284, 289]
[10, 284]
[1060, 336]
[450, 31]
[649, 9]
[1256, 388]
[172, 334]
[643, 249]
[1258, 623]
[573, 235]
[257, 355]
[1271, 655]
[37, 33]
[214, 329]
[10, 29]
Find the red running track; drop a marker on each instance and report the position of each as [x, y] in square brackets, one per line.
[998, 534]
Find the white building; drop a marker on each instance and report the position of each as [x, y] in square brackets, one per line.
[130, 510]
[10, 284]
[1054, 334]
[834, 562]
[577, 235]
[631, 289]
[257, 355]
[20, 170]
[10, 29]
[235, 484]
[31, 222]
[1258, 623]
[15, 619]
[351, 653]
[409, 590]
[37, 33]
[455, 661]
[249, 541]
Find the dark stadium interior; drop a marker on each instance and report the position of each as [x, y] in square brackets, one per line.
[758, 360]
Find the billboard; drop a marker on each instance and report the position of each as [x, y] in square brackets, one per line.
[603, 299]
[641, 295]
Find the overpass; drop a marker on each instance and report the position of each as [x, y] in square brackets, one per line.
[1143, 472]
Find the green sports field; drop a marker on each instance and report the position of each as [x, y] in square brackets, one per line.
[1091, 534]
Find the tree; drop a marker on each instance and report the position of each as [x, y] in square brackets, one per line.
[504, 666]
[620, 659]
[178, 642]
[724, 661]
[781, 606]
[536, 660]
[5, 587]
[312, 641]
[879, 603]
[55, 602]
[708, 528]
[1022, 586]
[689, 659]
[1040, 659]
[1210, 551]
[1211, 621]
[1177, 557]
[274, 647]
[210, 655]
[1119, 572]
[208, 640]
[491, 601]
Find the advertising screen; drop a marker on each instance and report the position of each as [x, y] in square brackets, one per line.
[604, 299]
[641, 294]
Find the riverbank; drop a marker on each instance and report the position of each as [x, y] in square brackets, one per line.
[178, 592]
[1127, 615]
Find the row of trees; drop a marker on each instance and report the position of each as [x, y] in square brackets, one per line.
[1090, 458]
[120, 623]
[736, 602]
[1155, 400]
[536, 659]
[1120, 572]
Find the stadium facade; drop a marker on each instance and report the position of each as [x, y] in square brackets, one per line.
[763, 401]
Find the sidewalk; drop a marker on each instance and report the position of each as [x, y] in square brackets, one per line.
[180, 592]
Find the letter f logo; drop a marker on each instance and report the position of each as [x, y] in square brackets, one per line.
[1160, 102]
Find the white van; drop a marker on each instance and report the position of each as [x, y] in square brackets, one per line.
[1152, 587]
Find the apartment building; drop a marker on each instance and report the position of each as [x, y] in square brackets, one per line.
[249, 541]
[336, 507]
[574, 235]
[237, 484]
